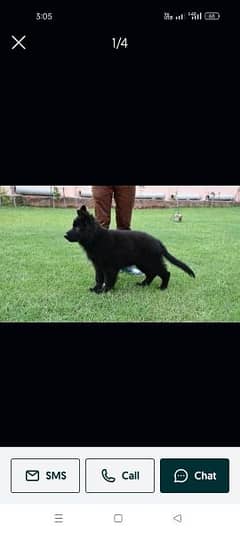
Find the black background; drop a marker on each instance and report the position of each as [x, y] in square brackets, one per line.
[163, 111]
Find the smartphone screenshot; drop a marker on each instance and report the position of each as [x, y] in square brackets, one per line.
[119, 304]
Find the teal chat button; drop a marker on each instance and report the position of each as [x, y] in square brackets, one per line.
[194, 475]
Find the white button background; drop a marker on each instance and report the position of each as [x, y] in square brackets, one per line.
[115, 467]
[70, 484]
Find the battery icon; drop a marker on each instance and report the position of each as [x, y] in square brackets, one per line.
[212, 15]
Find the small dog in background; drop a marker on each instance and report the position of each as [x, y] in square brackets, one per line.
[112, 250]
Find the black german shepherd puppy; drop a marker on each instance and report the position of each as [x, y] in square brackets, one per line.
[112, 250]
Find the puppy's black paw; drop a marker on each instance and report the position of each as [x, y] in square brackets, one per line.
[107, 289]
[98, 289]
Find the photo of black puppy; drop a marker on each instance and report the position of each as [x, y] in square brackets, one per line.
[112, 250]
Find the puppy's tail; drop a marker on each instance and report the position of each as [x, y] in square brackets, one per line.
[178, 263]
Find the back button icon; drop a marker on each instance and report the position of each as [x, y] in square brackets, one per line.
[178, 518]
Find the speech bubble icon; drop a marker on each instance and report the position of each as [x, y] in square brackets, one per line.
[180, 475]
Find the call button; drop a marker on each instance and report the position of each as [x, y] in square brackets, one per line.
[120, 475]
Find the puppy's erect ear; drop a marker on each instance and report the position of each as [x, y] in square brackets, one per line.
[82, 211]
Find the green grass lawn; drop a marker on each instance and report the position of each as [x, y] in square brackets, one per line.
[43, 278]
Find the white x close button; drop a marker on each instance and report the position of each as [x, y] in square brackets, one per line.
[18, 42]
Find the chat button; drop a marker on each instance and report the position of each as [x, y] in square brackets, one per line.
[194, 475]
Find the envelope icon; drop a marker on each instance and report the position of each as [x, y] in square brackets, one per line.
[32, 475]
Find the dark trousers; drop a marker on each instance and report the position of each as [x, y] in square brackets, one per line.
[124, 196]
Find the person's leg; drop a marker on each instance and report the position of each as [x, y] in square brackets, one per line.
[124, 196]
[102, 196]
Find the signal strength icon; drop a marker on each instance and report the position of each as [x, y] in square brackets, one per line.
[179, 17]
[194, 15]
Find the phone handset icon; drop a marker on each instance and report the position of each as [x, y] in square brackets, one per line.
[106, 477]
